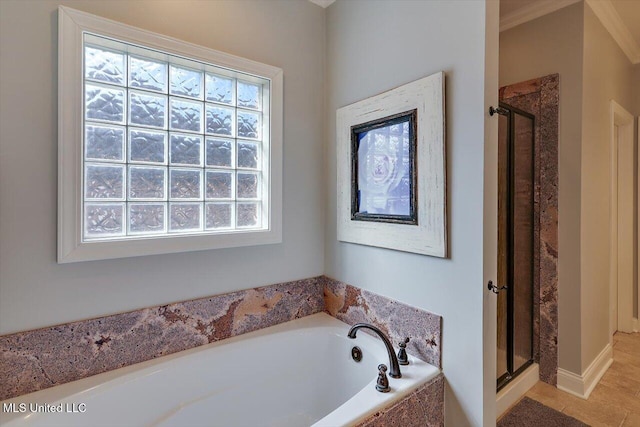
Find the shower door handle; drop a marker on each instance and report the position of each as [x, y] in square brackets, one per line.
[495, 289]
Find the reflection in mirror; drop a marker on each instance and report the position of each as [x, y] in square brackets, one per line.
[384, 170]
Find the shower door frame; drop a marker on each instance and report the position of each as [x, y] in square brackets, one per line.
[541, 97]
[506, 378]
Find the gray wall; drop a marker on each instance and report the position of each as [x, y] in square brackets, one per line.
[376, 46]
[553, 44]
[34, 290]
[370, 47]
[607, 75]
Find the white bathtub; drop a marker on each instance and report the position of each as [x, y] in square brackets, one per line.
[298, 373]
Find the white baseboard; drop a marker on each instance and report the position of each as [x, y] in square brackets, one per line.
[583, 385]
[636, 325]
[516, 389]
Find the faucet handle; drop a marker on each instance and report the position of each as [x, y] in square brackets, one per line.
[382, 385]
[403, 359]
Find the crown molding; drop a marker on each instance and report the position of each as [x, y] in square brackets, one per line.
[611, 20]
[532, 11]
[604, 10]
[322, 3]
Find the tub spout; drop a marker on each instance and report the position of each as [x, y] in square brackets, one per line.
[393, 360]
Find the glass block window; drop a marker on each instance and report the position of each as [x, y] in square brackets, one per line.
[170, 145]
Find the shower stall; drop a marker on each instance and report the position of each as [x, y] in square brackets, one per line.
[516, 187]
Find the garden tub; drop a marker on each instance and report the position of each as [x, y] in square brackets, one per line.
[298, 373]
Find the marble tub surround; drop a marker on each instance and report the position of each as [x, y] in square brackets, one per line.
[397, 320]
[34, 360]
[540, 97]
[424, 407]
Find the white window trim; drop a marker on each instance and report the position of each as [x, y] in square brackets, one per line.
[72, 25]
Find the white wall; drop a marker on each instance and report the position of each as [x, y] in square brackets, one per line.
[490, 238]
[376, 46]
[607, 75]
[34, 290]
[548, 45]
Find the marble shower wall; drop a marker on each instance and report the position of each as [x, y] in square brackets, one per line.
[540, 97]
[34, 360]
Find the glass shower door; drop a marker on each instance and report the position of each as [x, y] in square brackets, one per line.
[515, 242]
[503, 198]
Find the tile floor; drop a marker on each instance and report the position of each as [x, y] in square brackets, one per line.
[616, 399]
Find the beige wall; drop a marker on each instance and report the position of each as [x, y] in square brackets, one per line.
[636, 107]
[593, 70]
[533, 50]
[636, 89]
[34, 290]
[607, 75]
